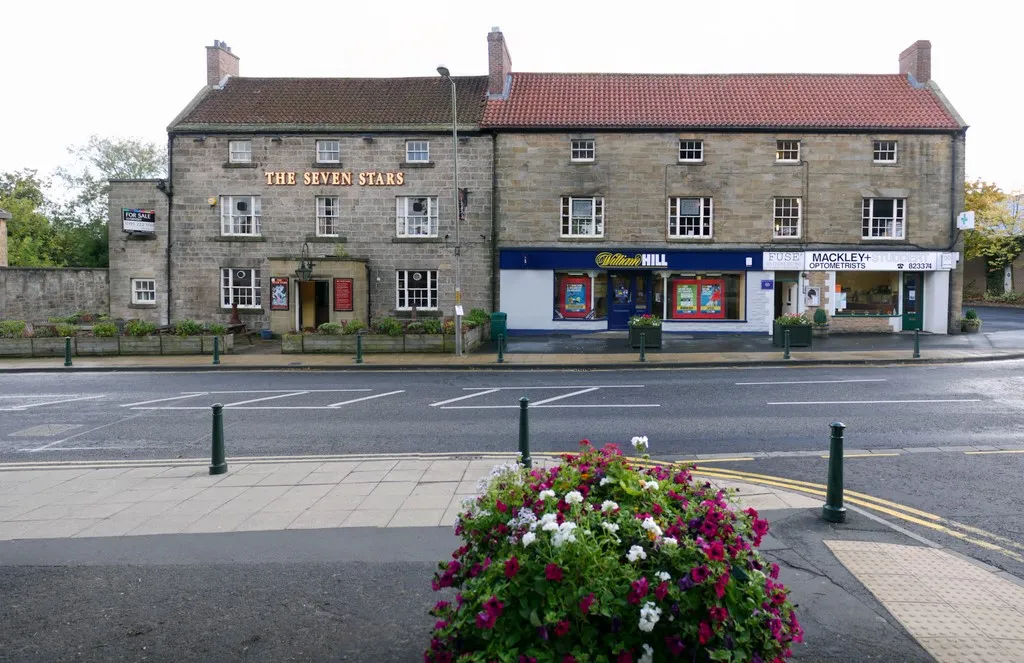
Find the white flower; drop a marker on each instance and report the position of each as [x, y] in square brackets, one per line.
[573, 497]
[648, 656]
[664, 576]
[550, 527]
[544, 494]
[640, 443]
[649, 616]
[650, 485]
[528, 538]
[651, 526]
[606, 480]
[609, 505]
[548, 518]
[611, 527]
[669, 541]
[564, 534]
[635, 553]
[468, 502]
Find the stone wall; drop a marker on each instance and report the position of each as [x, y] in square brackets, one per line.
[38, 293]
[134, 256]
[367, 216]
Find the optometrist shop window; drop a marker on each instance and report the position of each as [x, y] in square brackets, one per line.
[706, 296]
[867, 293]
[580, 296]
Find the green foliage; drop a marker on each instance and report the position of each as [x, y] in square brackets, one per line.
[820, 317]
[388, 325]
[994, 281]
[448, 328]
[793, 320]
[217, 329]
[139, 328]
[431, 326]
[414, 328]
[12, 328]
[43, 331]
[188, 328]
[66, 329]
[645, 321]
[329, 329]
[1004, 298]
[54, 319]
[104, 329]
[971, 314]
[479, 316]
[353, 327]
[998, 236]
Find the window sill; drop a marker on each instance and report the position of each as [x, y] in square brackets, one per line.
[140, 237]
[582, 162]
[669, 321]
[417, 164]
[239, 238]
[240, 164]
[328, 164]
[415, 240]
[327, 239]
[788, 162]
[133, 305]
[688, 162]
[688, 239]
[583, 238]
[885, 164]
[243, 311]
[883, 239]
[788, 238]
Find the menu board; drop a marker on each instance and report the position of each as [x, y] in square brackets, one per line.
[342, 294]
[279, 293]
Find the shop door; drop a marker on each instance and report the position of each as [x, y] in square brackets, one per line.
[913, 301]
[323, 302]
[629, 294]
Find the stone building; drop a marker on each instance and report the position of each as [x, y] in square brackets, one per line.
[266, 175]
[719, 202]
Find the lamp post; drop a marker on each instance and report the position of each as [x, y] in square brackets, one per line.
[455, 197]
[305, 268]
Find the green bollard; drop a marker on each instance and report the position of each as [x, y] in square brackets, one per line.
[218, 465]
[216, 350]
[67, 350]
[785, 336]
[524, 433]
[917, 344]
[833, 510]
[501, 343]
[359, 348]
[643, 346]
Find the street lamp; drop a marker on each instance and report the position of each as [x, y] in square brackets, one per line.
[305, 268]
[455, 197]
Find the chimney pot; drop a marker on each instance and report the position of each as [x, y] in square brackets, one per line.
[916, 60]
[499, 69]
[220, 62]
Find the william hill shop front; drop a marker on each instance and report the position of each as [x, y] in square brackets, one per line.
[588, 290]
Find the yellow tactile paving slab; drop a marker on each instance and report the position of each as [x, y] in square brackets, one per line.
[958, 611]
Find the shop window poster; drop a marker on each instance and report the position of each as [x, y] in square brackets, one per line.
[686, 300]
[711, 299]
[279, 293]
[575, 300]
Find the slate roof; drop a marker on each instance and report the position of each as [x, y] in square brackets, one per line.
[807, 101]
[338, 102]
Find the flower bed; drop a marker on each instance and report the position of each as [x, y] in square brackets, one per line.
[17, 339]
[600, 560]
[393, 336]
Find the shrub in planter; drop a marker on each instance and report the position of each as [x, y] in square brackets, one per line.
[414, 328]
[431, 326]
[64, 329]
[104, 329]
[217, 329]
[448, 328]
[599, 560]
[188, 328]
[12, 328]
[139, 328]
[478, 317]
[353, 327]
[329, 329]
[43, 331]
[389, 326]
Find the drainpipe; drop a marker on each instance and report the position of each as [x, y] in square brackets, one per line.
[494, 222]
[169, 191]
[950, 327]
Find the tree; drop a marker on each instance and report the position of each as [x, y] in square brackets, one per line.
[998, 235]
[31, 237]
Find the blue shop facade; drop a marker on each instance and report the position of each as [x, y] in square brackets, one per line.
[544, 290]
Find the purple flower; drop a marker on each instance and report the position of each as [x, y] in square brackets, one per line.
[616, 624]
[542, 633]
[685, 583]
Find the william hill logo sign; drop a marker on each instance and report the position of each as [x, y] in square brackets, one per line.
[606, 259]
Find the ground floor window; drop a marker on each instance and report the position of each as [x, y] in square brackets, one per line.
[143, 291]
[416, 289]
[707, 296]
[580, 296]
[240, 286]
[867, 293]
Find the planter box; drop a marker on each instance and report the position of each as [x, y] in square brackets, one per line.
[969, 328]
[50, 347]
[382, 343]
[652, 337]
[139, 345]
[15, 347]
[227, 343]
[291, 344]
[316, 343]
[448, 343]
[97, 346]
[799, 335]
[181, 345]
[424, 343]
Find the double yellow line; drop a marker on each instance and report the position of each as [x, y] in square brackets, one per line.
[973, 535]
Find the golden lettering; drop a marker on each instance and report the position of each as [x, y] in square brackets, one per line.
[318, 178]
[606, 259]
[291, 178]
[306, 179]
[279, 178]
[362, 179]
[335, 178]
[400, 178]
[380, 179]
[346, 179]
[270, 177]
[391, 179]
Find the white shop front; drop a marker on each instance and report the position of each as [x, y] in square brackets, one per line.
[893, 290]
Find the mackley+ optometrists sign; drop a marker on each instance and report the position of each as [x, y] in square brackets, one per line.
[852, 261]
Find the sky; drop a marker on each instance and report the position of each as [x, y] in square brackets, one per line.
[73, 69]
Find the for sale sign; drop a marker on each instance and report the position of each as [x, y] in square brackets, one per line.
[138, 220]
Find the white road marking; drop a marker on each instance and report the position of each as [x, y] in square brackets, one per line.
[172, 398]
[366, 398]
[924, 400]
[45, 430]
[558, 398]
[500, 407]
[63, 400]
[462, 398]
[71, 437]
[568, 386]
[743, 384]
[266, 398]
[278, 391]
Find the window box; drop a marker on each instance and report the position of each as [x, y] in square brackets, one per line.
[180, 345]
[139, 345]
[799, 335]
[50, 347]
[652, 337]
[97, 346]
[15, 347]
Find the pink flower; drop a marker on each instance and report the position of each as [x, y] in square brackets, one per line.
[700, 573]
[485, 620]
[720, 584]
[773, 572]
[760, 526]
[704, 633]
[552, 572]
[474, 570]
[441, 605]
[675, 644]
[624, 657]
[718, 614]
[752, 512]
[661, 591]
[639, 590]
[586, 602]
[562, 628]
[501, 506]
[568, 658]
[494, 607]
[511, 567]
[527, 659]
[716, 551]
[440, 624]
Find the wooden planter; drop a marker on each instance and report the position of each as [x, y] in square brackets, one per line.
[181, 345]
[424, 343]
[139, 345]
[227, 343]
[317, 343]
[799, 335]
[50, 347]
[15, 347]
[819, 331]
[652, 337]
[291, 344]
[382, 343]
[98, 346]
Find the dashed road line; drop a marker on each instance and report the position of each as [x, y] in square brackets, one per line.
[19, 408]
[1000, 451]
[366, 398]
[162, 400]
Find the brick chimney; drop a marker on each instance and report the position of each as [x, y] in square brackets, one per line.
[4, 215]
[916, 60]
[220, 62]
[499, 65]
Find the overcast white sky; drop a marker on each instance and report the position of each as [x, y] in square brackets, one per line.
[72, 69]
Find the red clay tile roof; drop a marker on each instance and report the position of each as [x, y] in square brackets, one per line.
[717, 101]
[340, 101]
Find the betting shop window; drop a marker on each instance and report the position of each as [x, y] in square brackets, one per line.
[690, 217]
[867, 293]
[240, 215]
[884, 151]
[240, 286]
[416, 289]
[710, 296]
[691, 150]
[417, 216]
[582, 149]
[787, 151]
[417, 151]
[327, 216]
[143, 291]
[582, 217]
[240, 151]
[883, 218]
[786, 218]
[328, 151]
[580, 296]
